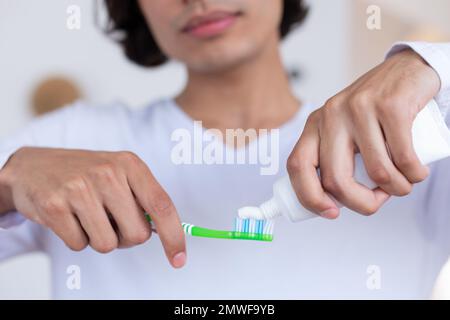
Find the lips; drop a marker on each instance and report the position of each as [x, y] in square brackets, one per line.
[211, 24]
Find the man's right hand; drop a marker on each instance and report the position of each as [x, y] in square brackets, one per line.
[92, 198]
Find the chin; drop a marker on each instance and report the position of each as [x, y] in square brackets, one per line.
[221, 59]
[214, 65]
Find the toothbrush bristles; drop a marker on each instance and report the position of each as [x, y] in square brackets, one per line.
[263, 227]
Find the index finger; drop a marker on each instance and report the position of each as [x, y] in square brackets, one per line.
[157, 203]
[398, 132]
[302, 168]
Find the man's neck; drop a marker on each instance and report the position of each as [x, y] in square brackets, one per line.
[255, 94]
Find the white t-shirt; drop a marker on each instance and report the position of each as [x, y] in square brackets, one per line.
[396, 253]
[399, 250]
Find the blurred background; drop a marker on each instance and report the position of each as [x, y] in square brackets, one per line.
[44, 65]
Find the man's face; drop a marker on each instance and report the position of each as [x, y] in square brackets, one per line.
[213, 35]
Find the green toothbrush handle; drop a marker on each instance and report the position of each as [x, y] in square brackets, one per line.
[220, 234]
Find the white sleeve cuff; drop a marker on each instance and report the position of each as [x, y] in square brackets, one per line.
[11, 219]
[5, 155]
[437, 55]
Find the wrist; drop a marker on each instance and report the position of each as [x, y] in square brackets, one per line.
[6, 198]
[425, 68]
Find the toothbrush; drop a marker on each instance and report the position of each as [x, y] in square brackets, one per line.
[244, 229]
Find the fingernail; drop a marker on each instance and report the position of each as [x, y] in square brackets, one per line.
[329, 213]
[179, 260]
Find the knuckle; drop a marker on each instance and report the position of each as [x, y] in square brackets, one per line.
[105, 246]
[128, 157]
[359, 100]
[314, 116]
[332, 102]
[331, 107]
[380, 175]
[311, 202]
[76, 186]
[369, 210]
[419, 177]
[162, 204]
[406, 160]
[78, 245]
[404, 190]
[104, 172]
[139, 237]
[52, 204]
[294, 164]
[332, 184]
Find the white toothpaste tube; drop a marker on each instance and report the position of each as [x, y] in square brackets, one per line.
[431, 141]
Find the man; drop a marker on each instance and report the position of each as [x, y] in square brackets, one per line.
[91, 188]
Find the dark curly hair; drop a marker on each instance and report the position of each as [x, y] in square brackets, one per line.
[126, 19]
